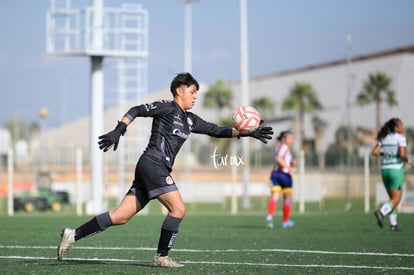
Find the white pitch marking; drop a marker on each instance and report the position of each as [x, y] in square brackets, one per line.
[216, 250]
[215, 263]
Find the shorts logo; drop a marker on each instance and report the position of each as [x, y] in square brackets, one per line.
[169, 180]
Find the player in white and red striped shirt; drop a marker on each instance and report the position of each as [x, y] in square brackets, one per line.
[281, 179]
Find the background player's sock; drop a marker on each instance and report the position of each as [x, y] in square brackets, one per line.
[386, 208]
[271, 208]
[393, 218]
[286, 210]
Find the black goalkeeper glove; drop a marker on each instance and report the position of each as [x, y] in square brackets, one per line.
[112, 137]
[262, 133]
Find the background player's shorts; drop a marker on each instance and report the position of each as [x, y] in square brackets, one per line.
[281, 181]
[393, 178]
[151, 180]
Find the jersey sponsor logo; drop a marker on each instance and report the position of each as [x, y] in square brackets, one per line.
[169, 180]
[190, 123]
[149, 107]
[177, 132]
[179, 123]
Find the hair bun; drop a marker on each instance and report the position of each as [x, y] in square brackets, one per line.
[283, 134]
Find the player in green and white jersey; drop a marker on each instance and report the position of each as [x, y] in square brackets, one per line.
[392, 146]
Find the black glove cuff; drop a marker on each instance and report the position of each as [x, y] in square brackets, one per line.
[244, 135]
[122, 127]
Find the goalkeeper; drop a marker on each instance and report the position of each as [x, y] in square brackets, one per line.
[171, 126]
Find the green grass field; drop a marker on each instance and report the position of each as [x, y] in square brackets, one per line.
[325, 242]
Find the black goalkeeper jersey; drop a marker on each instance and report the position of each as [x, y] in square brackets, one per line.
[171, 126]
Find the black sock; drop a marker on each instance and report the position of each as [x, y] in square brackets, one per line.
[168, 234]
[96, 225]
[166, 241]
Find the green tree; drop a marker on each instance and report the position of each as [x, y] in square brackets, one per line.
[376, 89]
[218, 96]
[302, 98]
[20, 129]
[409, 133]
[265, 106]
[344, 145]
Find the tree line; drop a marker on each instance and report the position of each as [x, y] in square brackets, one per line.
[303, 99]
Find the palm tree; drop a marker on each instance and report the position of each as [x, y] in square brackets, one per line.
[265, 106]
[302, 98]
[19, 129]
[218, 96]
[374, 89]
[345, 144]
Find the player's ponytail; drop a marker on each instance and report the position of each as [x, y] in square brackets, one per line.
[387, 128]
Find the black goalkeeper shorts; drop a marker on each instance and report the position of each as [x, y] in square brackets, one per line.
[151, 180]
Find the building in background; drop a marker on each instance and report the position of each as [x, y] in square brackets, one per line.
[329, 80]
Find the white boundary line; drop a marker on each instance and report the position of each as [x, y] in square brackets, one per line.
[217, 263]
[215, 250]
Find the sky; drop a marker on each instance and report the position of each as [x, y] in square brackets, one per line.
[282, 35]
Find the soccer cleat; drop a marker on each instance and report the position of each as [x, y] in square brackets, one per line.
[66, 241]
[380, 218]
[165, 261]
[288, 224]
[395, 228]
[269, 222]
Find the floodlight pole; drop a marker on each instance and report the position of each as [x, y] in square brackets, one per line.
[96, 129]
[244, 81]
[187, 68]
[10, 190]
[366, 151]
[97, 108]
[348, 204]
[188, 35]
[97, 32]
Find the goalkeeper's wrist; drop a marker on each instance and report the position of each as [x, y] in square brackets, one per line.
[121, 127]
[244, 135]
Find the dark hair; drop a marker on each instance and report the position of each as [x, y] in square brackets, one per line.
[387, 128]
[283, 134]
[182, 79]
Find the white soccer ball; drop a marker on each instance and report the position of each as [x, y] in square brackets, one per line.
[246, 119]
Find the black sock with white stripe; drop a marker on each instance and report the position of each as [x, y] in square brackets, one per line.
[96, 225]
[168, 234]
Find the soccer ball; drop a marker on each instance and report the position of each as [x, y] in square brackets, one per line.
[246, 119]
